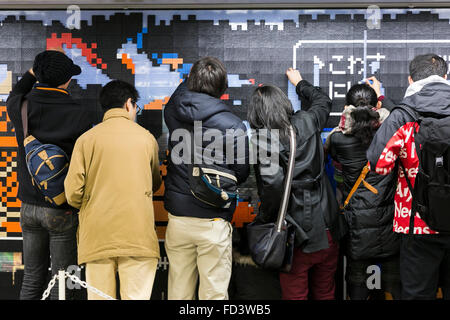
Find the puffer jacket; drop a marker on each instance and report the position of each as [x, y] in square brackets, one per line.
[313, 208]
[183, 109]
[369, 216]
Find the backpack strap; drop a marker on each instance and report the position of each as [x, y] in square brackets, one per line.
[24, 114]
[360, 179]
[414, 114]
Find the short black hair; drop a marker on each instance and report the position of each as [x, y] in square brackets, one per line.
[426, 65]
[208, 75]
[115, 93]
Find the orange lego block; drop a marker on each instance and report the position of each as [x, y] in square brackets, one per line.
[8, 142]
[160, 212]
[243, 214]
[12, 226]
[156, 104]
[128, 62]
[161, 232]
[174, 62]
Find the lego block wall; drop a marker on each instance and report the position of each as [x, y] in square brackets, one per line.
[154, 50]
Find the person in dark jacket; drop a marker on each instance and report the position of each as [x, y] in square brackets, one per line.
[199, 235]
[313, 209]
[369, 216]
[423, 252]
[53, 117]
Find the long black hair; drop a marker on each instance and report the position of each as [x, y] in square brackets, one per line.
[270, 108]
[364, 98]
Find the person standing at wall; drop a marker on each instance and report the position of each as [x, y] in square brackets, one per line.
[199, 236]
[313, 209]
[369, 215]
[425, 251]
[53, 117]
[113, 174]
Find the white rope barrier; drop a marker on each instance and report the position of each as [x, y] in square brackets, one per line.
[61, 276]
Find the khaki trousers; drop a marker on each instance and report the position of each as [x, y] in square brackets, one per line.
[198, 247]
[136, 275]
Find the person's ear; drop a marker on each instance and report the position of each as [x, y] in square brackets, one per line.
[410, 80]
[445, 76]
[128, 105]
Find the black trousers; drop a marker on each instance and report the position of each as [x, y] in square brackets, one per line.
[356, 277]
[425, 266]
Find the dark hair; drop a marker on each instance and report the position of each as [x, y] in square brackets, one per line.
[364, 98]
[270, 108]
[361, 95]
[115, 93]
[426, 65]
[208, 75]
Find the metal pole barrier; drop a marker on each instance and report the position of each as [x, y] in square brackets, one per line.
[62, 284]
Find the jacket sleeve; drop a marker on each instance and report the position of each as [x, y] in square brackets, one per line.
[156, 174]
[74, 183]
[14, 101]
[320, 102]
[23, 86]
[241, 166]
[387, 143]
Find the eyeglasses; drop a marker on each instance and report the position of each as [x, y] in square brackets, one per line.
[138, 108]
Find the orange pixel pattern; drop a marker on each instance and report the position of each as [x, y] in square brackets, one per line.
[9, 204]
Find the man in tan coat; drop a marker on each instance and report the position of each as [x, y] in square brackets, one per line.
[113, 173]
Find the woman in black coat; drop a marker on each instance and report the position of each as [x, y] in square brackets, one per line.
[369, 216]
[313, 209]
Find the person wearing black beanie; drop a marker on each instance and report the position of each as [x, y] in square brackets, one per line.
[54, 68]
[54, 117]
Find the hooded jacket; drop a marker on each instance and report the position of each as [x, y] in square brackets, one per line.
[183, 109]
[394, 141]
[369, 216]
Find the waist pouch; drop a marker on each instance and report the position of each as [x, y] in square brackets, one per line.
[213, 185]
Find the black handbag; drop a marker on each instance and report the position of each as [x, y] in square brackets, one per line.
[272, 244]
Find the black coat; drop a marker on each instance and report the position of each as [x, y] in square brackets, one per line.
[312, 204]
[369, 216]
[53, 117]
[183, 108]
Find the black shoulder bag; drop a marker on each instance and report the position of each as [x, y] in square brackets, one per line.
[272, 244]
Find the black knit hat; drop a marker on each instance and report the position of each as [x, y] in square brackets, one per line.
[54, 68]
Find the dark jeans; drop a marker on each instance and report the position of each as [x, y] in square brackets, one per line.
[356, 277]
[48, 234]
[424, 265]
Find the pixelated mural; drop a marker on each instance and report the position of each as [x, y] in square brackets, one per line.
[155, 49]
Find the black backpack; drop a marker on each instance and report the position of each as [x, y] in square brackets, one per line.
[431, 192]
